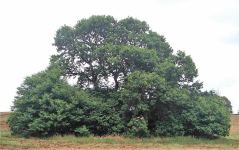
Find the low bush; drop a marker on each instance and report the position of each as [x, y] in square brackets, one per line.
[82, 131]
[138, 127]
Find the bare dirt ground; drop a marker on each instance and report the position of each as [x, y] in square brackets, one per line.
[3, 120]
[9, 142]
[234, 125]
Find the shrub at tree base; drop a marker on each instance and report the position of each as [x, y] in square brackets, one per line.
[47, 105]
[209, 112]
[82, 131]
[129, 82]
[138, 127]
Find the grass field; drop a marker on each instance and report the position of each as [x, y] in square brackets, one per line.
[70, 142]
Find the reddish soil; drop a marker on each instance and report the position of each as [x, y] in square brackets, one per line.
[3, 120]
[234, 125]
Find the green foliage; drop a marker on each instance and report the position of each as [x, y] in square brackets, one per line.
[227, 103]
[186, 68]
[208, 113]
[82, 131]
[170, 127]
[138, 127]
[128, 82]
[47, 105]
[141, 93]
[99, 118]
[38, 109]
[165, 116]
[107, 48]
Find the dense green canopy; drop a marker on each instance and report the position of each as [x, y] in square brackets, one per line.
[129, 82]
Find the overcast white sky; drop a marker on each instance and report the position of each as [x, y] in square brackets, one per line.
[208, 30]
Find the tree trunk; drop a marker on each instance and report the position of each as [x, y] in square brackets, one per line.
[116, 82]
